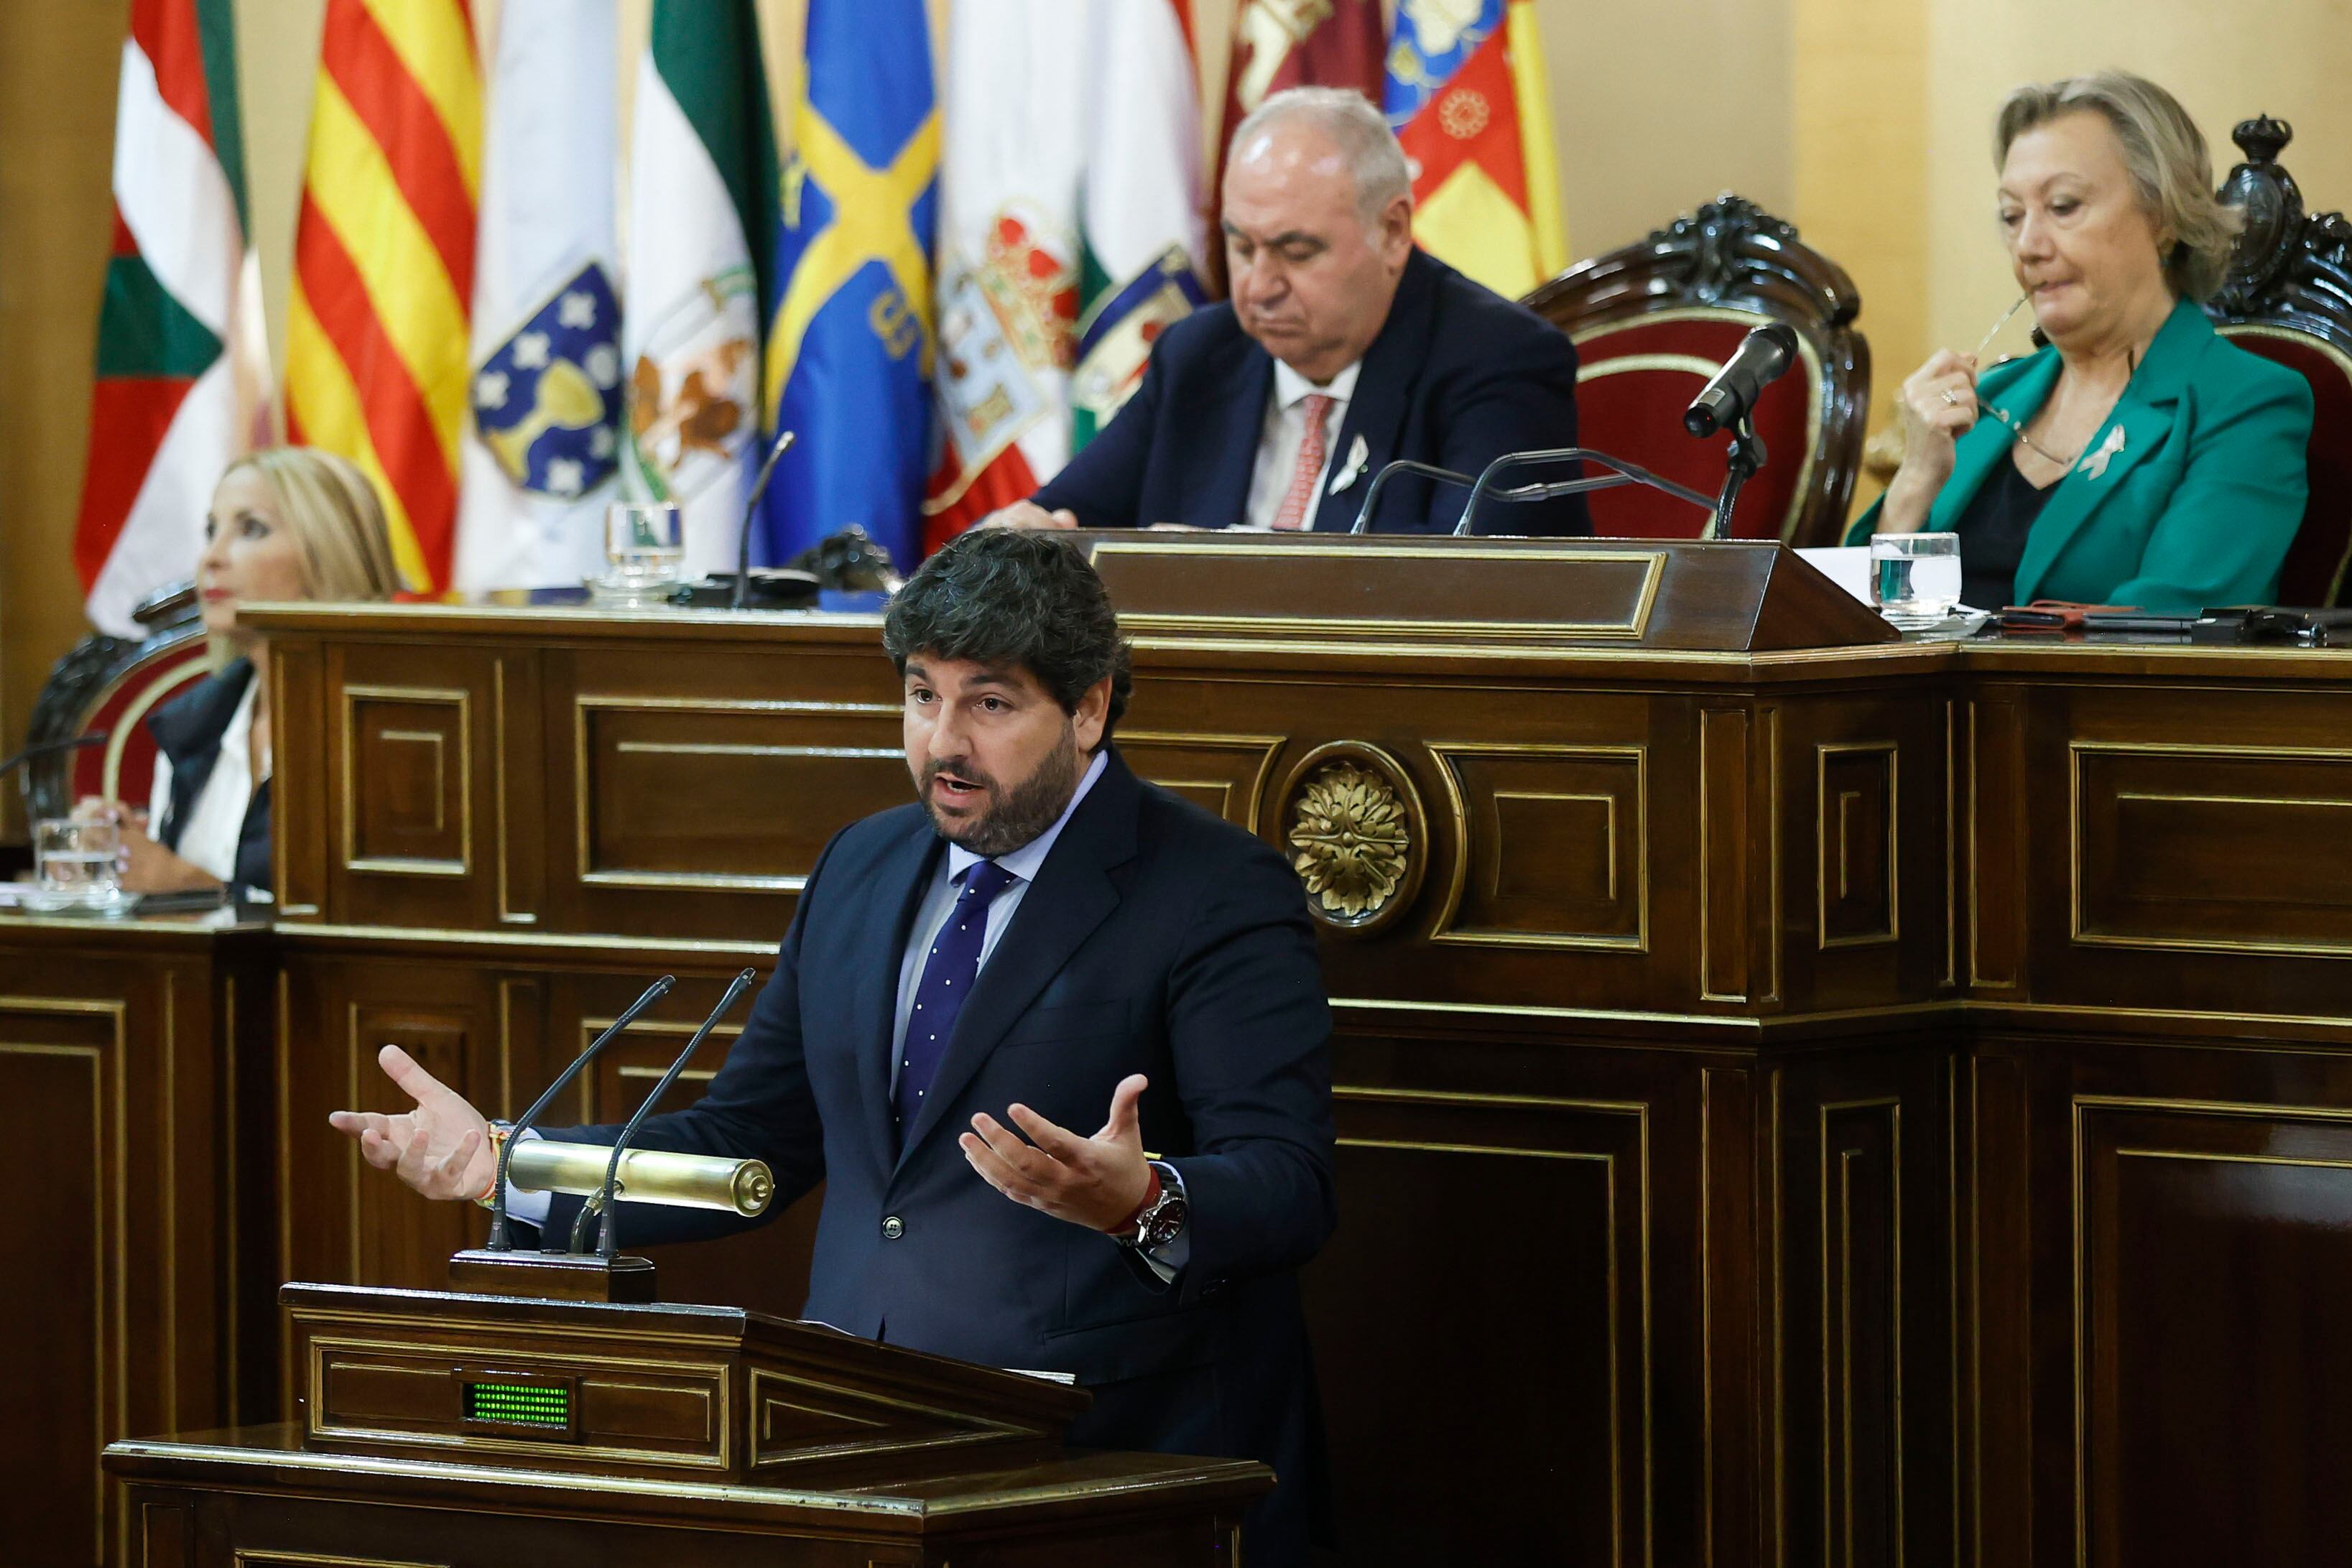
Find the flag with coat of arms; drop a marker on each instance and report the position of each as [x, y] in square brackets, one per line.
[1070, 233]
[849, 346]
[547, 386]
[1467, 98]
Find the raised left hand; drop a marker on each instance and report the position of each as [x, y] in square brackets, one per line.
[1095, 1182]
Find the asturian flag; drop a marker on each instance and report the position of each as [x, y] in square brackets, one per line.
[547, 388]
[849, 340]
[1069, 234]
[1468, 97]
[702, 183]
[181, 366]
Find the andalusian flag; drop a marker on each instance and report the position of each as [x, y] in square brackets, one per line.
[1142, 210]
[702, 208]
[181, 318]
[547, 386]
[849, 340]
[1467, 98]
[384, 262]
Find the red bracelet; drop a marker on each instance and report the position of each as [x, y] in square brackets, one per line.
[1151, 1196]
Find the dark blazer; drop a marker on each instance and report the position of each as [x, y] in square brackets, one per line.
[188, 730]
[1156, 939]
[2195, 506]
[1458, 376]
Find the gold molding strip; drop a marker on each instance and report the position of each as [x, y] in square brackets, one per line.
[1445, 751]
[1822, 752]
[402, 865]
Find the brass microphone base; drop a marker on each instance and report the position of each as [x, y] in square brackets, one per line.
[555, 1276]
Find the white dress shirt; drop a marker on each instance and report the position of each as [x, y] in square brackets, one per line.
[1284, 432]
[215, 823]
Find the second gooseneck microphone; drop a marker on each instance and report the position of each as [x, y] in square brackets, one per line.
[1764, 356]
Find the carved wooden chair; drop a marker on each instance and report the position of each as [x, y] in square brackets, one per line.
[1654, 321]
[111, 684]
[2288, 298]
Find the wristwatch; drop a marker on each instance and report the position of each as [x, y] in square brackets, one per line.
[1161, 1218]
[499, 1132]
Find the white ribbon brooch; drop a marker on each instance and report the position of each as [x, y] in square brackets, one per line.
[2096, 465]
[1358, 456]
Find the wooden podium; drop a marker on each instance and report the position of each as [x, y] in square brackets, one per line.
[453, 1429]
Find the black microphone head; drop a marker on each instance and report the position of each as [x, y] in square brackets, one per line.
[1780, 337]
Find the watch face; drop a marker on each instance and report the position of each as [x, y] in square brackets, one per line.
[1165, 1222]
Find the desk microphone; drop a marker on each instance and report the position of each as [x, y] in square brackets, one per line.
[785, 439]
[498, 1241]
[607, 1239]
[39, 749]
[1445, 476]
[1764, 356]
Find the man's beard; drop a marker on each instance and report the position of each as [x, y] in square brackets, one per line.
[1014, 817]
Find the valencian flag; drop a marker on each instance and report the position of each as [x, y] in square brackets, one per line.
[1468, 97]
[547, 320]
[180, 368]
[384, 262]
[702, 212]
[1281, 44]
[849, 339]
[1069, 229]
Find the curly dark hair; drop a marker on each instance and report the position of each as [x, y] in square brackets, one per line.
[1008, 596]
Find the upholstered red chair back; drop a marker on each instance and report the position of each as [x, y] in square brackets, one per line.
[112, 685]
[1653, 323]
[2288, 298]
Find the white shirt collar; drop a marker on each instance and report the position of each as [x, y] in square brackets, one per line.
[1290, 386]
[1023, 862]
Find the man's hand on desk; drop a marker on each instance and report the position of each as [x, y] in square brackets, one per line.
[442, 1149]
[1029, 515]
[1095, 1182]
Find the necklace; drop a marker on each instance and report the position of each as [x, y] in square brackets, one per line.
[2065, 464]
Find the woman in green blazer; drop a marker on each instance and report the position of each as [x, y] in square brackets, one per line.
[2140, 458]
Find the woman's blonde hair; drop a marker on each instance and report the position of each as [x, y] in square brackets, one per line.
[334, 514]
[2165, 152]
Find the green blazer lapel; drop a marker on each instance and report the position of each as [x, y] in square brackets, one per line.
[2142, 418]
[2019, 389]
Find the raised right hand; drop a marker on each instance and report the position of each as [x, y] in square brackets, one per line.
[1939, 406]
[442, 1149]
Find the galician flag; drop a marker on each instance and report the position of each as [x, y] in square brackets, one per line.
[384, 262]
[1468, 97]
[849, 339]
[702, 204]
[541, 460]
[182, 369]
[1069, 234]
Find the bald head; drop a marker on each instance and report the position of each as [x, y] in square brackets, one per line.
[1317, 227]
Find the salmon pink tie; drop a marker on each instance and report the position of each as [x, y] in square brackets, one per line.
[1293, 515]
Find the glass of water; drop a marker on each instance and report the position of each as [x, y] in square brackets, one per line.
[644, 544]
[78, 862]
[1915, 578]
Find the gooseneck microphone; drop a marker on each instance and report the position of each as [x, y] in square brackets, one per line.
[607, 1235]
[498, 1241]
[783, 443]
[35, 752]
[1764, 355]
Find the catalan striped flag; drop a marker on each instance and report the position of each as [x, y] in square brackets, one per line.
[383, 261]
[181, 366]
[849, 339]
[1467, 98]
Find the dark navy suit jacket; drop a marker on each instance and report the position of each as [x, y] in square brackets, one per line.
[1458, 376]
[1156, 939]
[189, 729]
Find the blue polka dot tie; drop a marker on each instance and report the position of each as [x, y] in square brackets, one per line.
[949, 971]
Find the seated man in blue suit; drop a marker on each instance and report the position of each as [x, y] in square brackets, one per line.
[1342, 349]
[1044, 945]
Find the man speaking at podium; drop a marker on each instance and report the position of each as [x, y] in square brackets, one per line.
[1342, 349]
[1044, 945]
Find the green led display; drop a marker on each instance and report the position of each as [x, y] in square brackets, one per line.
[520, 1405]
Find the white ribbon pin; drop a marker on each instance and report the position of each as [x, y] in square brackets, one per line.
[2096, 465]
[1358, 456]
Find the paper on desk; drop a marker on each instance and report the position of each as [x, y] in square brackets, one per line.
[1848, 565]
[12, 893]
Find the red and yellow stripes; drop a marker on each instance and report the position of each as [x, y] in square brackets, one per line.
[383, 261]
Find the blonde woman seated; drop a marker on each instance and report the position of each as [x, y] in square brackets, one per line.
[2140, 458]
[289, 523]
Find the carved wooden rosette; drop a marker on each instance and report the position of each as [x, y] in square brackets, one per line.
[1353, 827]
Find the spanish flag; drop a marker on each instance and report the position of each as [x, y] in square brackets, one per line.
[384, 262]
[1468, 97]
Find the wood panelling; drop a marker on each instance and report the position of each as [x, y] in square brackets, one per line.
[1552, 846]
